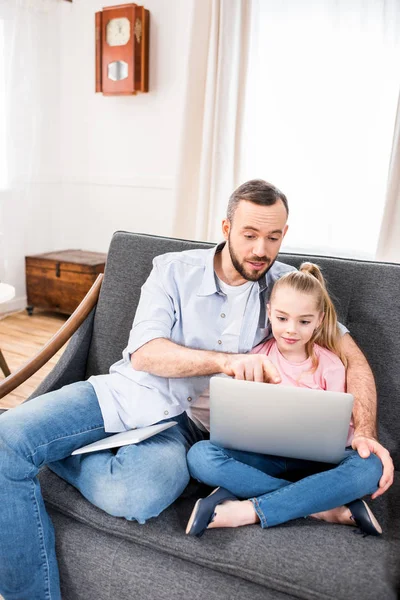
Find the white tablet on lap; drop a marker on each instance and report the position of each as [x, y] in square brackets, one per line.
[133, 436]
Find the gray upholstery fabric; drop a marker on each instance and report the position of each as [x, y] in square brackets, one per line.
[72, 364]
[139, 572]
[102, 557]
[302, 559]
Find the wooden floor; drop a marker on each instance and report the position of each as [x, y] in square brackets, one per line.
[21, 338]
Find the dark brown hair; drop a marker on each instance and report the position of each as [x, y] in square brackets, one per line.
[258, 191]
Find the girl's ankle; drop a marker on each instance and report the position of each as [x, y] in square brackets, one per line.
[234, 513]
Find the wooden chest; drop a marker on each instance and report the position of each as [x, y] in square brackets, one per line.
[59, 280]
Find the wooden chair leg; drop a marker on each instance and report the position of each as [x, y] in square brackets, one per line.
[3, 365]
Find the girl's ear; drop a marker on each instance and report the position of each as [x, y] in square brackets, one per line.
[321, 318]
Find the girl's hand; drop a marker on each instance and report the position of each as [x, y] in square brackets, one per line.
[364, 446]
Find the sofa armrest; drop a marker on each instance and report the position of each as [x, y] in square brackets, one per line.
[72, 365]
[57, 341]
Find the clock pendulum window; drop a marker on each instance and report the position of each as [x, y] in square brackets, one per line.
[122, 50]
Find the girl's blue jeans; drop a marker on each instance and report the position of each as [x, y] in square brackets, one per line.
[265, 480]
[136, 482]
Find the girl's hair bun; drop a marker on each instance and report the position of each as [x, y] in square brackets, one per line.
[314, 270]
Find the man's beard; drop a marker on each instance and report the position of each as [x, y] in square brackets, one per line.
[240, 268]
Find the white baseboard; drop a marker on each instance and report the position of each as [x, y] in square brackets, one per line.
[15, 305]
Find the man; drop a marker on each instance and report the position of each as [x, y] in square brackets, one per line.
[186, 329]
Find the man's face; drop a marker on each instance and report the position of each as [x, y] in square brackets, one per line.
[254, 237]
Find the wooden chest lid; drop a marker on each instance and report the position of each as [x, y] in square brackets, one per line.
[73, 260]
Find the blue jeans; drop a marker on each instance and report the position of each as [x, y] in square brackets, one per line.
[136, 482]
[260, 477]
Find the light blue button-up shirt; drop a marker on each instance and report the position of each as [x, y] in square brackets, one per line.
[180, 301]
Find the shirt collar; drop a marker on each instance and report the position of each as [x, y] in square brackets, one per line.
[209, 284]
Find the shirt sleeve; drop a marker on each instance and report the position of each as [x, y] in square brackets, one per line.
[155, 314]
[335, 378]
[342, 329]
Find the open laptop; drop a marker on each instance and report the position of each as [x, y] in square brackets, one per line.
[279, 420]
[132, 436]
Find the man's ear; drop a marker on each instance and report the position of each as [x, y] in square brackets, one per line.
[269, 310]
[285, 230]
[226, 227]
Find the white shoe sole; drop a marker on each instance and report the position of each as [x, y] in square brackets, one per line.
[372, 517]
[194, 511]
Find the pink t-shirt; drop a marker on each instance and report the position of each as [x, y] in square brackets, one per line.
[330, 374]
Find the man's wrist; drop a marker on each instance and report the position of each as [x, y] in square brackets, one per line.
[222, 361]
[367, 433]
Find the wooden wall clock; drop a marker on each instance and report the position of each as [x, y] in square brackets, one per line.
[122, 50]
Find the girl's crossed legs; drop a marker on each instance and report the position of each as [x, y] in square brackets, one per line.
[273, 499]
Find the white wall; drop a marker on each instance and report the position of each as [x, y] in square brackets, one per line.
[106, 163]
[119, 154]
[32, 144]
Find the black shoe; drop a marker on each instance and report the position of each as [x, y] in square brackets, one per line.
[364, 518]
[204, 511]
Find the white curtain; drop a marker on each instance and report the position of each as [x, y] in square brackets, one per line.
[389, 238]
[208, 167]
[320, 113]
[21, 118]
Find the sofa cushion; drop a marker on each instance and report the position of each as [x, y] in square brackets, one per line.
[97, 566]
[304, 558]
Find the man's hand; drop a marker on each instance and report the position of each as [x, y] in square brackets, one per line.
[164, 358]
[251, 367]
[364, 446]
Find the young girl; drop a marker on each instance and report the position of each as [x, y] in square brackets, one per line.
[306, 351]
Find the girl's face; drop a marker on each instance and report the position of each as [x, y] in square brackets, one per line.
[294, 318]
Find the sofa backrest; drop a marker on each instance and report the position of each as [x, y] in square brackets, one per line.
[366, 296]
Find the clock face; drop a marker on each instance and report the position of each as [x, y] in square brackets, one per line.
[118, 32]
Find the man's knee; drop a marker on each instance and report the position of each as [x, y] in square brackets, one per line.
[140, 498]
[13, 434]
[14, 455]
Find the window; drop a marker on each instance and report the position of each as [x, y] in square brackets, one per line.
[320, 112]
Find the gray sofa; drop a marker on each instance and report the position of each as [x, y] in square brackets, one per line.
[106, 558]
